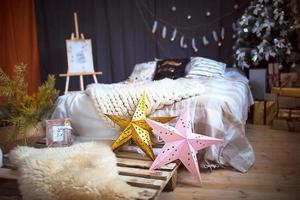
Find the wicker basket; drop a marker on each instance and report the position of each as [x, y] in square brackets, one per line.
[33, 134]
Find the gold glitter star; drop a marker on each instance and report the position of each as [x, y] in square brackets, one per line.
[137, 128]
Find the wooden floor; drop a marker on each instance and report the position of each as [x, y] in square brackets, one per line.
[275, 174]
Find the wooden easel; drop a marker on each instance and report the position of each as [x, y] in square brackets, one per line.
[80, 74]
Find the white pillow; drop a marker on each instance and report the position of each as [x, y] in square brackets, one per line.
[143, 72]
[199, 66]
[236, 74]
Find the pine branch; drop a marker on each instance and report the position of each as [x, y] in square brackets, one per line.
[18, 108]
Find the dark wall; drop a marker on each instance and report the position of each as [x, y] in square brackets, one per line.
[121, 32]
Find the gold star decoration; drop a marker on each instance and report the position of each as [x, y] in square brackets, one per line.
[137, 128]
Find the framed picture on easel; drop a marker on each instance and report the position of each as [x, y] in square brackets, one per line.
[80, 56]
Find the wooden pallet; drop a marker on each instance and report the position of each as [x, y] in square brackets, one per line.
[133, 168]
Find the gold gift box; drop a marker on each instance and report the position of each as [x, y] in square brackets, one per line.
[264, 112]
[289, 113]
[288, 92]
[287, 79]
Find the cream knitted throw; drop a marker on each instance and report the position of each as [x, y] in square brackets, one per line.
[121, 99]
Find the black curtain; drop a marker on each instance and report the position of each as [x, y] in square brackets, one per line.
[121, 32]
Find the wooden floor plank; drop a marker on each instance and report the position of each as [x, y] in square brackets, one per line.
[146, 193]
[275, 174]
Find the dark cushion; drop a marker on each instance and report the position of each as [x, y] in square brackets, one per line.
[170, 68]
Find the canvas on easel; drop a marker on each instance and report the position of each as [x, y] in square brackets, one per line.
[80, 58]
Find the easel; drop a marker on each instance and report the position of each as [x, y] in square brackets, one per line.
[80, 74]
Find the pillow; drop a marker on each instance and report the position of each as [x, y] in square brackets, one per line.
[170, 68]
[236, 74]
[143, 72]
[200, 66]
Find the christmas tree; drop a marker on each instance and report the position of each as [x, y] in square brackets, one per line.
[267, 32]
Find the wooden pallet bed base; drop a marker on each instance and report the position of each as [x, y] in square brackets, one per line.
[133, 168]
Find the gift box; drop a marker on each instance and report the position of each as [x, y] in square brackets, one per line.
[288, 92]
[286, 125]
[296, 84]
[264, 112]
[273, 75]
[59, 132]
[289, 113]
[287, 79]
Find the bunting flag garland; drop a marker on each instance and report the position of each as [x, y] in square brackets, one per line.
[223, 33]
[205, 41]
[154, 27]
[214, 33]
[218, 38]
[194, 45]
[182, 43]
[173, 35]
[164, 32]
[185, 41]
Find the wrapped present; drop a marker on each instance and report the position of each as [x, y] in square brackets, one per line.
[287, 79]
[286, 125]
[264, 112]
[273, 75]
[296, 84]
[59, 132]
[258, 112]
[289, 113]
[288, 92]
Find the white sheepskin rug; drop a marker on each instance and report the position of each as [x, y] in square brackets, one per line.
[85, 171]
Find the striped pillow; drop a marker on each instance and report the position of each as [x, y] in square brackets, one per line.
[200, 66]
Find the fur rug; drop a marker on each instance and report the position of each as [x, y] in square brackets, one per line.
[85, 171]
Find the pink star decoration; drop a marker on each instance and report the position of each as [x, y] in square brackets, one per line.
[180, 143]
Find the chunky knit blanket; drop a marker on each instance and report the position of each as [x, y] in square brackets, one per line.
[121, 99]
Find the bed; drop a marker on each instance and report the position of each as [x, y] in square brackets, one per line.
[219, 111]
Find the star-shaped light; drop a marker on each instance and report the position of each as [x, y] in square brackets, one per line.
[136, 128]
[180, 143]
